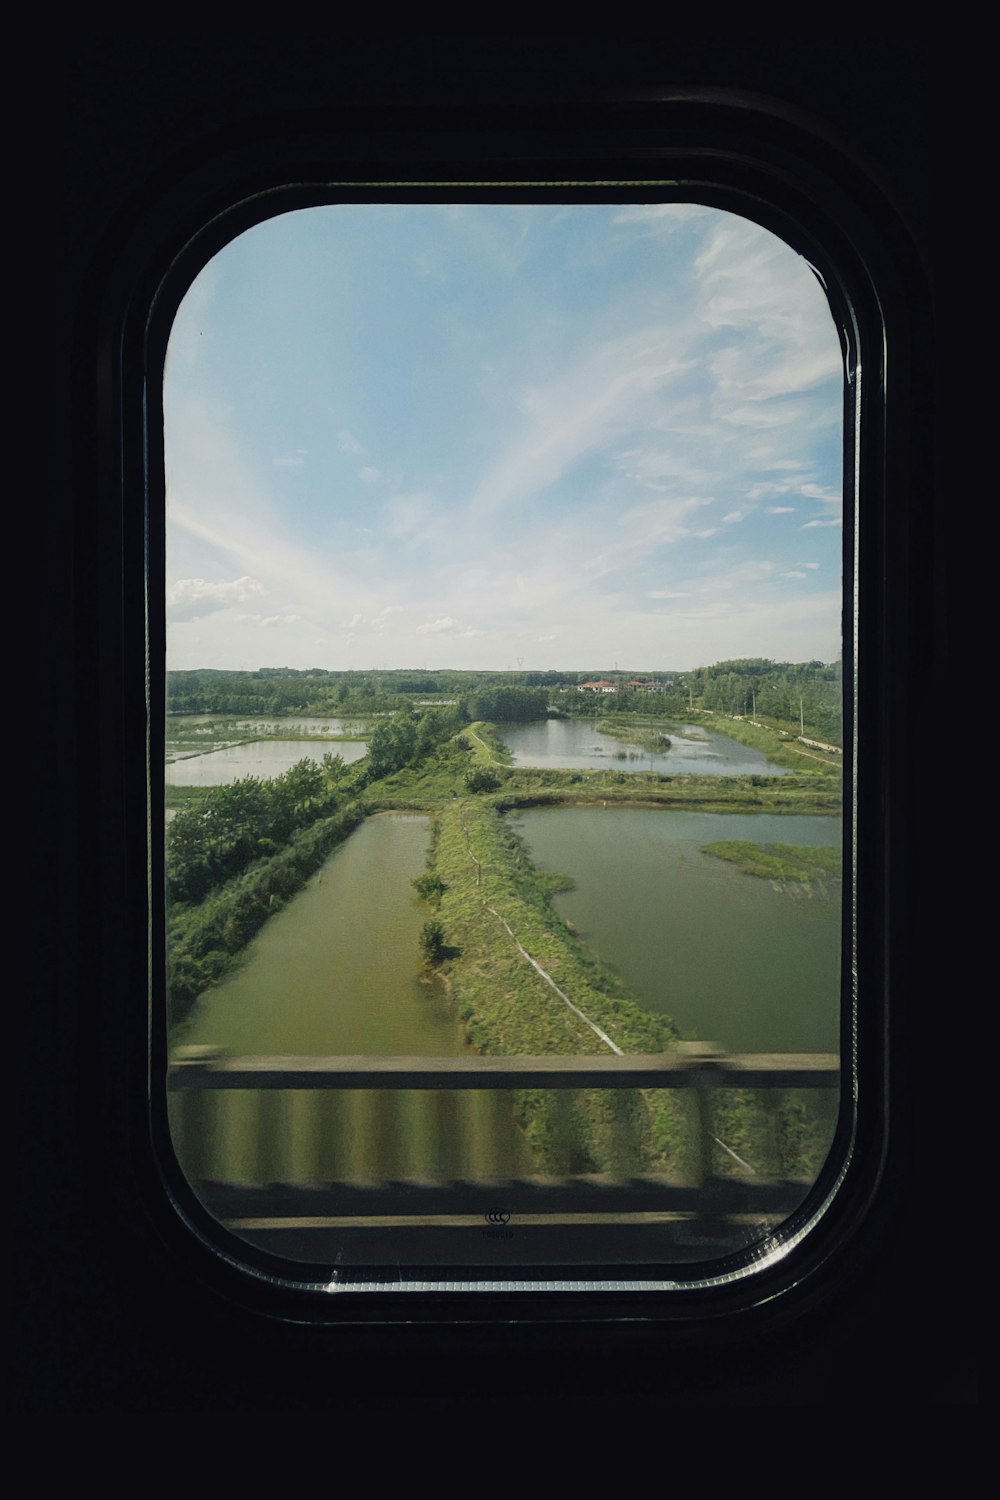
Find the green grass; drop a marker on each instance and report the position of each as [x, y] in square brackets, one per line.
[649, 736]
[791, 862]
[509, 1009]
[477, 862]
[782, 752]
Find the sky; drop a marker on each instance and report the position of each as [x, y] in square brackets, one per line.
[503, 437]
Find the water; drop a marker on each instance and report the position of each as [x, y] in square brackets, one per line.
[337, 974]
[730, 958]
[575, 744]
[262, 758]
[179, 724]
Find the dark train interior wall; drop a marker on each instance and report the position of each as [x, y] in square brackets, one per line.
[107, 1319]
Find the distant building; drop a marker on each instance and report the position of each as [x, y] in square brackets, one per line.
[601, 686]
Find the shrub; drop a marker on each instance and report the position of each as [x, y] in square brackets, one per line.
[482, 779]
[432, 944]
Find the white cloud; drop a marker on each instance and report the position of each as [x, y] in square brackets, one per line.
[785, 342]
[818, 492]
[812, 525]
[437, 627]
[596, 399]
[603, 443]
[192, 597]
[383, 619]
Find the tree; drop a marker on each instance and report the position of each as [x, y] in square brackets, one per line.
[432, 943]
[482, 779]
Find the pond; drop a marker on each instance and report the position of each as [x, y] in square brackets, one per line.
[575, 744]
[261, 758]
[748, 964]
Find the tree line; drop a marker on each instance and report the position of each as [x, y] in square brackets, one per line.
[794, 694]
[791, 693]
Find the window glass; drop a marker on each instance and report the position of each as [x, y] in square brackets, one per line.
[504, 752]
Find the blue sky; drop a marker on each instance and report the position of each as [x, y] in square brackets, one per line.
[503, 436]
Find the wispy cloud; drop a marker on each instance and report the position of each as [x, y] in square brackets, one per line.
[572, 459]
[190, 598]
[437, 627]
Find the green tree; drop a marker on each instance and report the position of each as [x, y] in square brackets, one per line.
[432, 943]
[482, 779]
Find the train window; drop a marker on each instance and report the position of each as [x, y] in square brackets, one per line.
[509, 738]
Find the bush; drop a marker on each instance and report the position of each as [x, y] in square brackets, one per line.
[432, 943]
[430, 887]
[482, 779]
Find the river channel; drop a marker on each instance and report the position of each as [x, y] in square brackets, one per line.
[337, 974]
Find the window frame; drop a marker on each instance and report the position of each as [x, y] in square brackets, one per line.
[725, 151]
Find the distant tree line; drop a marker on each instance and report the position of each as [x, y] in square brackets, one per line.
[671, 704]
[506, 704]
[790, 693]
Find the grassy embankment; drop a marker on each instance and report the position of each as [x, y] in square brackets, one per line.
[782, 751]
[795, 863]
[774, 741]
[478, 863]
[509, 1009]
[434, 781]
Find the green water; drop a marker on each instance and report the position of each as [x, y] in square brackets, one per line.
[732, 958]
[337, 974]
